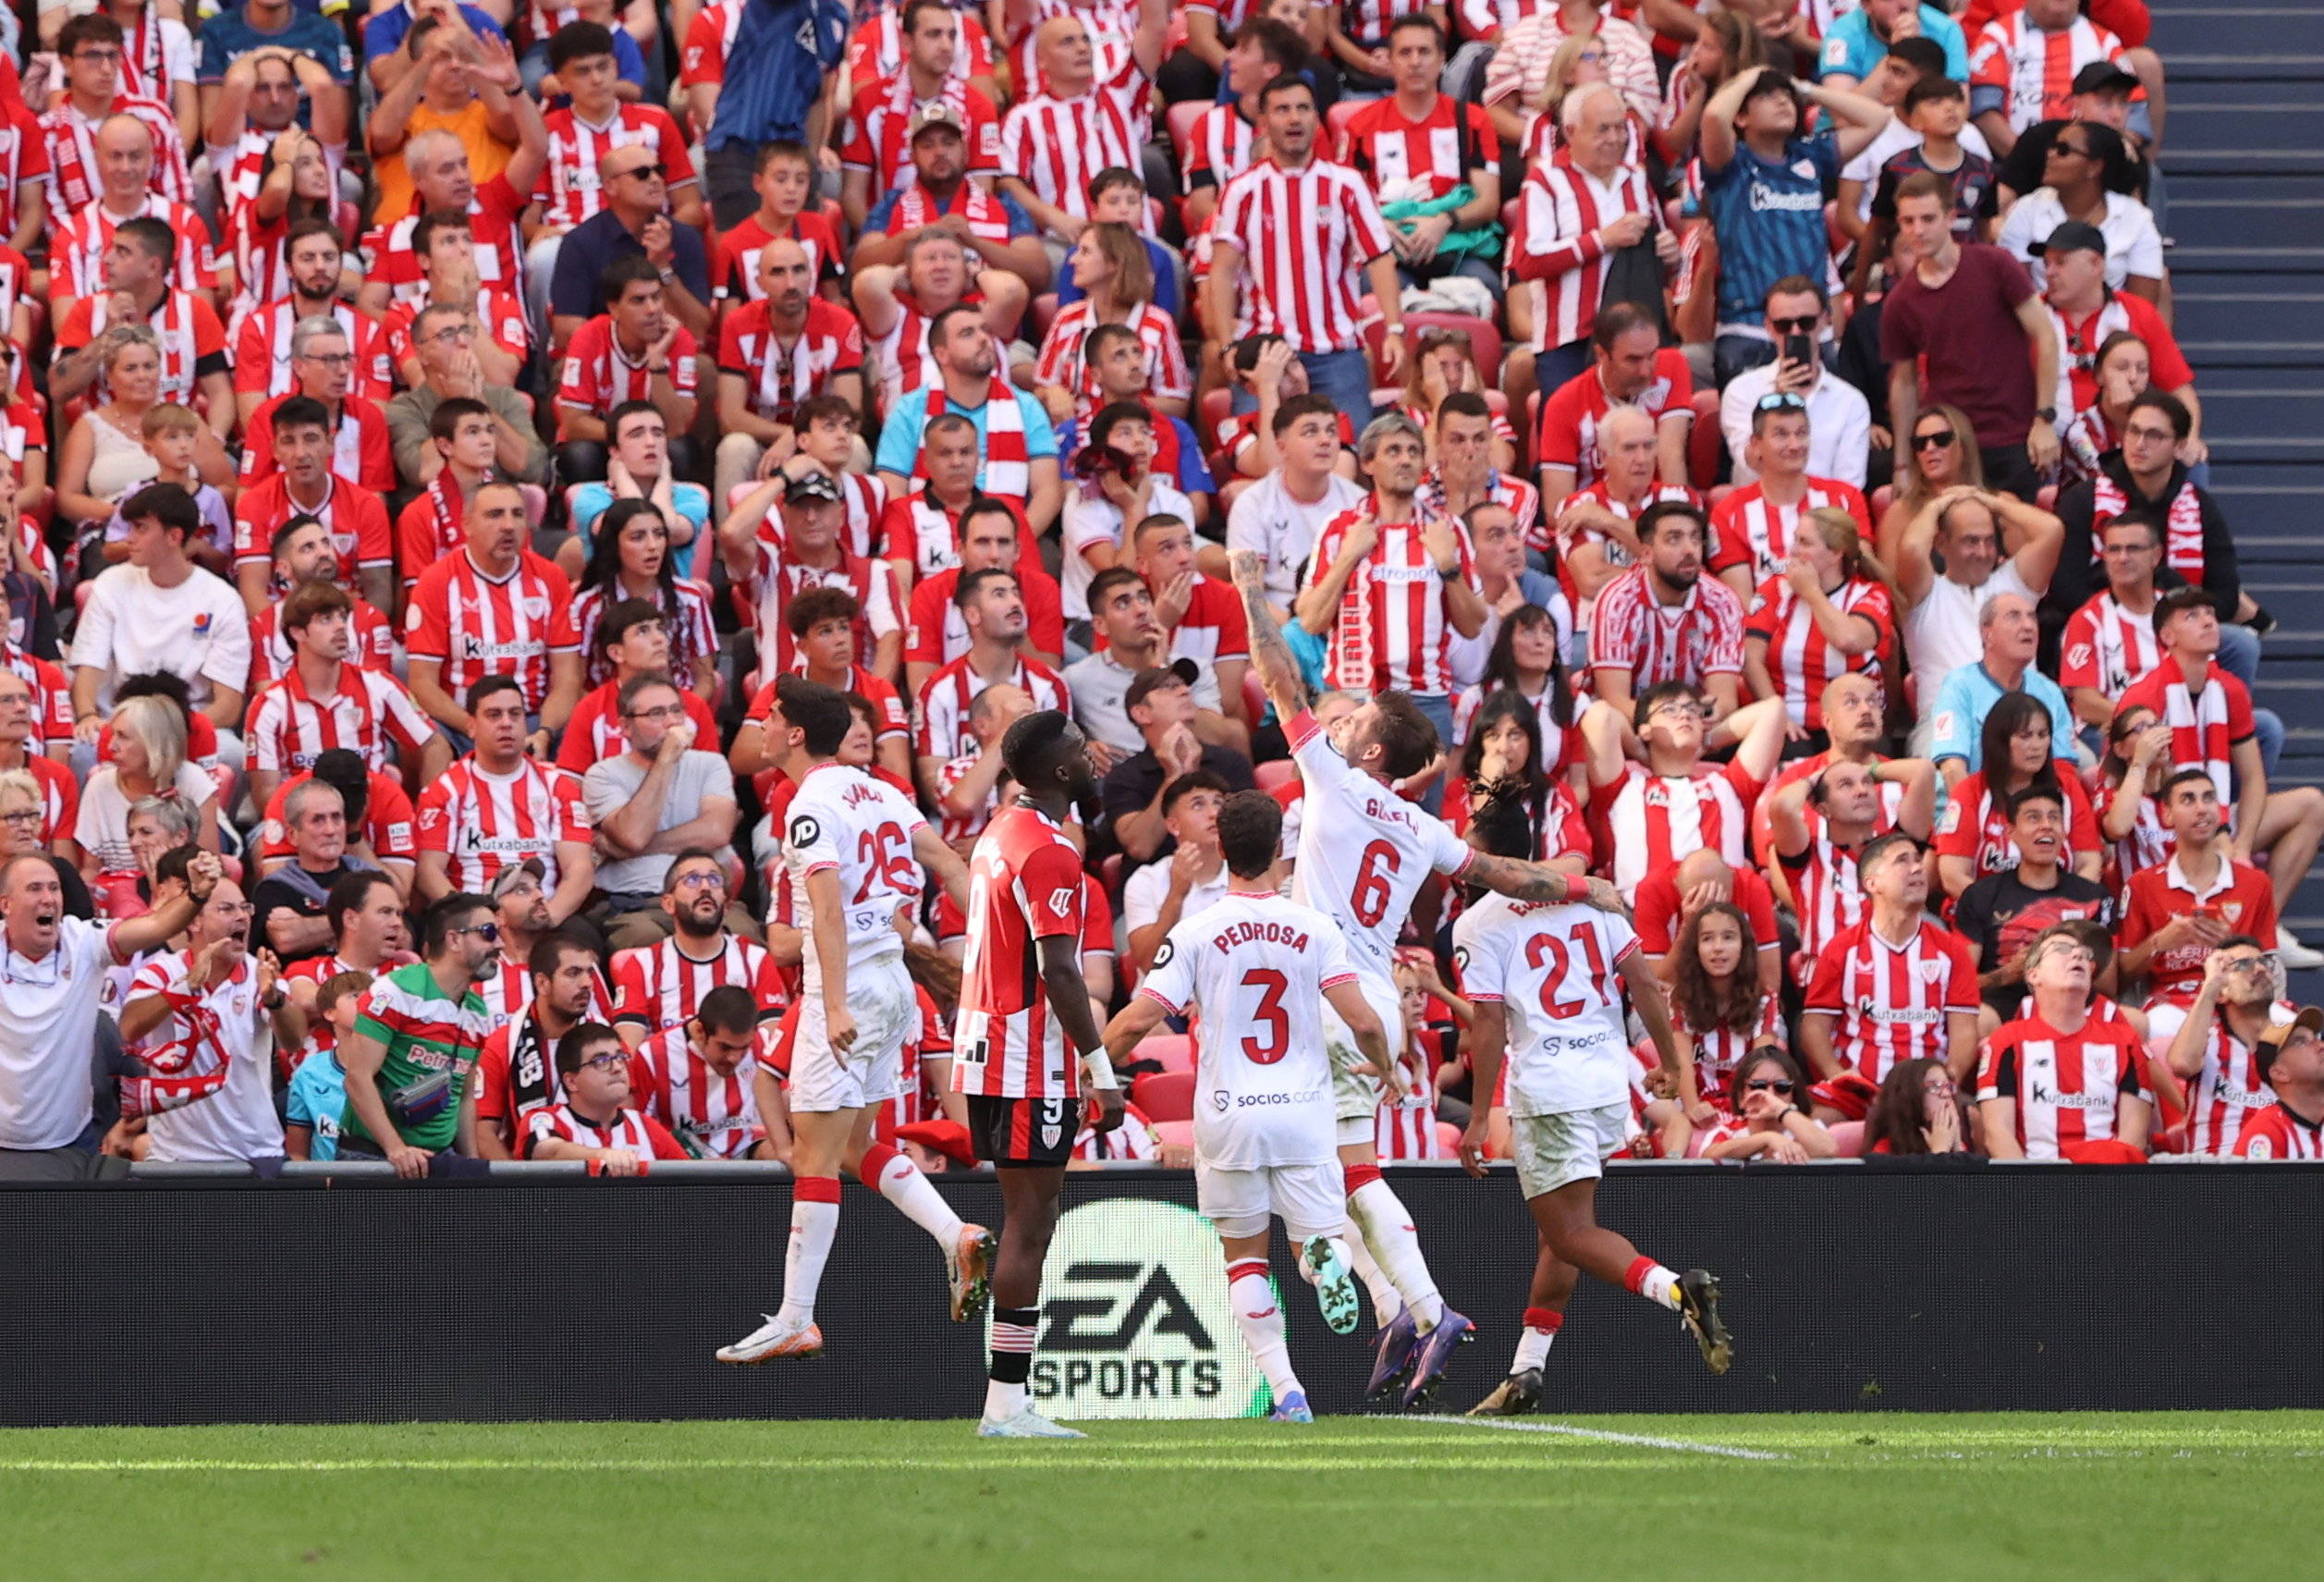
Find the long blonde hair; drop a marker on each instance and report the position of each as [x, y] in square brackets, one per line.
[160, 728]
[1857, 559]
[1912, 491]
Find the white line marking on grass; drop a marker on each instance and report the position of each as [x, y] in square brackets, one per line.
[1651, 1441]
[1310, 1460]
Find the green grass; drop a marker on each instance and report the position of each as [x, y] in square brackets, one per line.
[2177, 1495]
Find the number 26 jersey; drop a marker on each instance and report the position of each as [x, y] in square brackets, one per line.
[843, 820]
[1551, 966]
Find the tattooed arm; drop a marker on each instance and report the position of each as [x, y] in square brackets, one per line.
[1271, 658]
[1532, 882]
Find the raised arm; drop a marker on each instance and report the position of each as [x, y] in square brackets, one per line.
[1270, 656]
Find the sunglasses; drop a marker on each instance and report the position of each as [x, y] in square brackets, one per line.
[1941, 440]
[1803, 324]
[488, 932]
[656, 168]
[1780, 401]
[1768, 1085]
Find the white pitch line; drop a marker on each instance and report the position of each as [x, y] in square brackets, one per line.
[1651, 1442]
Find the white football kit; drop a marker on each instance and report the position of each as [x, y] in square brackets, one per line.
[1257, 966]
[861, 828]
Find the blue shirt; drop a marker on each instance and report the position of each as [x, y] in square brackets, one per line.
[589, 502]
[384, 34]
[1969, 694]
[227, 38]
[589, 245]
[1768, 216]
[1165, 280]
[1194, 472]
[316, 1099]
[899, 438]
[1852, 48]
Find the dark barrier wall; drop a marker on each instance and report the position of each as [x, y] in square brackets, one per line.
[2190, 1286]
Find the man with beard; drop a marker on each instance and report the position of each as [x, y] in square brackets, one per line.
[1019, 447]
[314, 261]
[210, 1017]
[657, 986]
[664, 791]
[786, 347]
[411, 1062]
[1663, 621]
[517, 1069]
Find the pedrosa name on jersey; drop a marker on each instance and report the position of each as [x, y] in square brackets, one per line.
[1256, 933]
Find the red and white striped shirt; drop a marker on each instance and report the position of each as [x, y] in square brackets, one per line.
[1557, 257]
[2069, 1088]
[76, 254]
[1545, 539]
[1025, 884]
[1570, 417]
[878, 136]
[598, 375]
[640, 1134]
[371, 642]
[2227, 1091]
[483, 822]
[491, 215]
[1220, 146]
[2106, 647]
[1893, 1002]
[2276, 1132]
[1632, 628]
[718, 1109]
[1800, 660]
[1366, 21]
[1748, 529]
[1305, 235]
[262, 352]
[498, 313]
[1405, 159]
[509, 996]
[692, 631]
[1826, 893]
[2206, 722]
[1720, 1050]
[781, 375]
[658, 987]
[2035, 71]
[23, 162]
[1974, 827]
[709, 37]
[1392, 631]
[1652, 822]
[475, 625]
[189, 333]
[945, 697]
[242, 174]
[1055, 146]
[569, 190]
[352, 515]
[71, 141]
[289, 727]
[778, 579]
[876, 49]
[1064, 361]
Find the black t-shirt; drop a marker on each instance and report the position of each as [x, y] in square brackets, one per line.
[279, 892]
[1134, 783]
[2020, 169]
[1999, 915]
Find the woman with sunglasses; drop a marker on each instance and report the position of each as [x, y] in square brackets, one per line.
[2015, 753]
[1917, 1111]
[2087, 176]
[1940, 454]
[1717, 1001]
[1765, 1120]
[629, 559]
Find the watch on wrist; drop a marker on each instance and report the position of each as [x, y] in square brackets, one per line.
[2047, 415]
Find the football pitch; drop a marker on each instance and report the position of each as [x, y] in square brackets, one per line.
[2115, 1495]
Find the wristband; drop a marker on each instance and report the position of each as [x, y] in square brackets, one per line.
[1097, 1069]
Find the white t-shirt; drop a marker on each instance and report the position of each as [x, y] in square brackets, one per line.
[1363, 852]
[1256, 965]
[1282, 529]
[102, 824]
[238, 1122]
[1098, 520]
[1552, 968]
[2132, 244]
[1940, 632]
[1100, 687]
[843, 819]
[48, 1025]
[1145, 891]
[198, 630]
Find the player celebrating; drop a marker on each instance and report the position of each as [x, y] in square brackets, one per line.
[1550, 969]
[1261, 967]
[857, 849]
[1021, 998]
[1364, 852]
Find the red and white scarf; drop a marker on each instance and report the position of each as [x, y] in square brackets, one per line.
[1008, 468]
[2182, 533]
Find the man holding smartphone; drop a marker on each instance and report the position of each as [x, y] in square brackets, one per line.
[1840, 419]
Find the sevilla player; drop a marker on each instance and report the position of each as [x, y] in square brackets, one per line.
[1022, 996]
[1261, 967]
[1364, 854]
[1554, 976]
[857, 853]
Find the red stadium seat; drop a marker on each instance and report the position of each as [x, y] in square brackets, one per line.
[1166, 1097]
[1336, 120]
[1181, 119]
[1882, 498]
[1848, 1136]
[1109, 875]
[1215, 407]
[1447, 1140]
[1173, 1134]
[1253, 695]
[1482, 339]
[1174, 1051]
[1274, 772]
[1704, 446]
[1045, 308]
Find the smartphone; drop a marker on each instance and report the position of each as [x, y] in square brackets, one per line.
[1799, 348]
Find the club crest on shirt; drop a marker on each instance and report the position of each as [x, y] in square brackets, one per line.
[1931, 971]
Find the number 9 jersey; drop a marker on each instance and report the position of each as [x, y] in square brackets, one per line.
[1551, 966]
[1257, 966]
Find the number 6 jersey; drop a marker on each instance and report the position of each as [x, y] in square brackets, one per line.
[1257, 966]
[1552, 968]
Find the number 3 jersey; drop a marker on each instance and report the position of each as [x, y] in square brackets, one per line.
[1363, 850]
[1257, 966]
[1552, 967]
[843, 820]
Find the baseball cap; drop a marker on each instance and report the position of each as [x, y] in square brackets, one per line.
[813, 486]
[936, 113]
[1144, 684]
[2103, 77]
[2273, 1037]
[505, 878]
[2074, 236]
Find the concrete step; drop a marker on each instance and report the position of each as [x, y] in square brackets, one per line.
[2216, 310]
[2203, 127]
[2238, 408]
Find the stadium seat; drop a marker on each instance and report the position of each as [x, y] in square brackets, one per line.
[1181, 119]
[1166, 1097]
[1045, 310]
[1705, 446]
[1447, 1140]
[1253, 695]
[1882, 498]
[1230, 491]
[1215, 407]
[1274, 772]
[1336, 120]
[1173, 1052]
[1173, 1134]
[1109, 875]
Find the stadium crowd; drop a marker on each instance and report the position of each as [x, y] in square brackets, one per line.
[436, 438]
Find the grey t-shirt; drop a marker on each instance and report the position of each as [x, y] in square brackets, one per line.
[611, 782]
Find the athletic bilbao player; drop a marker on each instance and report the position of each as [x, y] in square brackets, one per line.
[1021, 998]
[1547, 974]
[858, 853]
[1261, 967]
[1364, 852]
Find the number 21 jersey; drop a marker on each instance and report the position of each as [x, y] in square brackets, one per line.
[1552, 968]
[1363, 850]
[1257, 966]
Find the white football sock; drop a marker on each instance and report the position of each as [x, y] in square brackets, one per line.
[1386, 1225]
[1260, 1317]
[901, 1183]
[1533, 1349]
[1002, 1402]
[813, 1225]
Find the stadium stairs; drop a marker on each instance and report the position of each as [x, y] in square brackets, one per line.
[2244, 159]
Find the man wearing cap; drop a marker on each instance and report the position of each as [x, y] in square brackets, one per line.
[887, 115]
[2102, 93]
[2290, 1062]
[1003, 242]
[776, 566]
[2085, 313]
[2053, 1084]
[289, 903]
[1161, 704]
